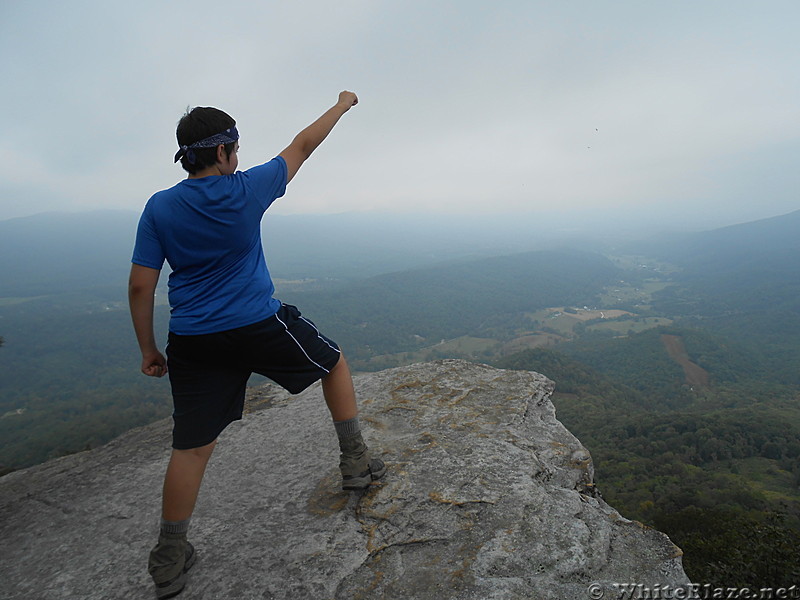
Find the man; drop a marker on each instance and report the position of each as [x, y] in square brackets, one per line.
[225, 323]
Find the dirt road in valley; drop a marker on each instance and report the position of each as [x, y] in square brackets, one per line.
[695, 374]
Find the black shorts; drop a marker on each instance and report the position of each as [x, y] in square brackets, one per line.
[209, 373]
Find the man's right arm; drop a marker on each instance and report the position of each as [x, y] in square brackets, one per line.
[312, 136]
[141, 297]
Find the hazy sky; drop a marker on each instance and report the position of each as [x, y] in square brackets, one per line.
[683, 108]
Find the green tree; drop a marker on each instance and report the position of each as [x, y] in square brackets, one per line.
[725, 546]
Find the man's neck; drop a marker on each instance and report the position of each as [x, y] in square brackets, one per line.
[207, 172]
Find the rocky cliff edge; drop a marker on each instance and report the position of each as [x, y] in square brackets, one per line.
[488, 496]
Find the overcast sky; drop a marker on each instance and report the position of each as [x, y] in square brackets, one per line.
[684, 108]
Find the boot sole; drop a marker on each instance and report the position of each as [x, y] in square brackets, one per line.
[363, 481]
[175, 587]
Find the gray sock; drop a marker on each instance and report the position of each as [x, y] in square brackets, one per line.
[348, 428]
[175, 526]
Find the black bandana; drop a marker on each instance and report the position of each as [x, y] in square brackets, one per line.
[226, 137]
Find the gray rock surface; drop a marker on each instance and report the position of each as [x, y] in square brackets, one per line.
[488, 497]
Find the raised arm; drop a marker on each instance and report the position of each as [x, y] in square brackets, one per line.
[141, 297]
[312, 136]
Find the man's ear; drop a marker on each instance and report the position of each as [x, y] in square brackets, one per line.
[221, 156]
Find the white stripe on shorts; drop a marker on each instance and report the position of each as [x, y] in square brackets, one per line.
[319, 335]
[299, 345]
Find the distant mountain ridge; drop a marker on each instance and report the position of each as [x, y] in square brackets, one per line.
[63, 252]
[774, 234]
[735, 245]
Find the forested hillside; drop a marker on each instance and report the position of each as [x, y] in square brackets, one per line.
[744, 283]
[70, 377]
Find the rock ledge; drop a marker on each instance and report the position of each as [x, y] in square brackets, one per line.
[488, 497]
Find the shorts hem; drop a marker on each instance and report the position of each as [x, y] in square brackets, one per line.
[210, 439]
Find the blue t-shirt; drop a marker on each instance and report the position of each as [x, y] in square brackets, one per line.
[209, 231]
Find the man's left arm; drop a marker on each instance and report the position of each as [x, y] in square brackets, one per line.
[305, 142]
[141, 299]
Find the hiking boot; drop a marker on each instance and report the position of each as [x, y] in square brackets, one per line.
[357, 467]
[169, 562]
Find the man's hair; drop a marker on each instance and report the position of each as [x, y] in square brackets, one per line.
[197, 124]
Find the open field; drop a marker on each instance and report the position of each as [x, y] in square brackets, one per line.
[532, 340]
[642, 264]
[631, 294]
[552, 326]
[559, 322]
[563, 320]
[625, 326]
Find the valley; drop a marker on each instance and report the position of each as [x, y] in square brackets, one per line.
[675, 363]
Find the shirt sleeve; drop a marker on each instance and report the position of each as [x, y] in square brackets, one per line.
[147, 250]
[268, 181]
